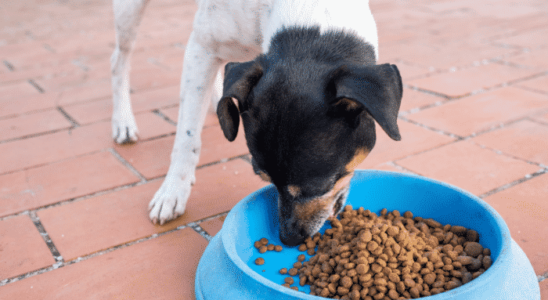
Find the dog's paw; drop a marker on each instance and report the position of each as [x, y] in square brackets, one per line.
[124, 130]
[169, 202]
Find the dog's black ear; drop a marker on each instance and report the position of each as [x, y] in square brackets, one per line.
[240, 78]
[376, 88]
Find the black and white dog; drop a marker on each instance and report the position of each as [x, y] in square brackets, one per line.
[302, 76]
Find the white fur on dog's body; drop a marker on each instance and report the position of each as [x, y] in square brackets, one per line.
[223, 31]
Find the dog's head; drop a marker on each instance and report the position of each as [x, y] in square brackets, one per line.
[307, 126]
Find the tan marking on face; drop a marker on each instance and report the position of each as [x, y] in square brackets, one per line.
[323, 203]
[360, 155]
[306, 211]
[341, 183]
[294, 190]
[264, 176]
[348, 104]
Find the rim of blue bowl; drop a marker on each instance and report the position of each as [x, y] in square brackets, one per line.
[485, 278]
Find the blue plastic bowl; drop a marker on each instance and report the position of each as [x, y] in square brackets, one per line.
[227, 269]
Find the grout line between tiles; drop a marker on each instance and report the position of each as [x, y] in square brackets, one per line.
[401, 168]
[52, 162]
[542, 277]
[513, 183]
[163, 116]
[36, 86]
[36, 220]
[76, 199]
[68, 117]
[8, 65]
[200, 231]
[451, 135]
[127, 164]
[529, 118]
[532, 90]
[425, 91]
[34, 135]
[469, 94]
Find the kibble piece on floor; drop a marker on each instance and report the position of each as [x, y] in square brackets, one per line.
[278, 248]
[283, 271]
[259, 261]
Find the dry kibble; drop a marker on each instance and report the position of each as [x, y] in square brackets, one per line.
[465, 260]
[430, 278]
[472, 235]
[388, 256]
[263, 241]
[473, 249]
[278, 248]
[289, 280]
[458, 230]
[487, 262]
[270, 247]
[262, 249]
[259, 261]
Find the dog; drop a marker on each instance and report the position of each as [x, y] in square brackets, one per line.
[301, 75]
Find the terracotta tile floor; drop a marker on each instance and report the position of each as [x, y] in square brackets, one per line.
[73, 205]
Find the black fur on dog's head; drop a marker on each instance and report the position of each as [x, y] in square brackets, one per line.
[308, 107]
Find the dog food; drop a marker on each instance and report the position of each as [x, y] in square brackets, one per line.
[366, 256]
[259, 261]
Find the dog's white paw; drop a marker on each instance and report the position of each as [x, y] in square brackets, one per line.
[169, 202]
[124, 130]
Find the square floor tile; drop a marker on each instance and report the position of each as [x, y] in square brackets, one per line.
[22, 248]
[468, 166]
[60, 181]
[525, 211]
[463, 82]
[414, 139]
[525, 139]
[539, 84]
[483, 111]
[152, 158]
[33, 123]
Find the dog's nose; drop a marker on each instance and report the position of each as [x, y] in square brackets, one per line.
[291, 239]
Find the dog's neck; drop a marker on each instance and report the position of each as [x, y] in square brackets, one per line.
[349, 16]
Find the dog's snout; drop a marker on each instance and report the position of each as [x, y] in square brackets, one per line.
[291, 238]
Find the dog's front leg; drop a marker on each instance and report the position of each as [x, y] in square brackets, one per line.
[199, 70]
[127, 16]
